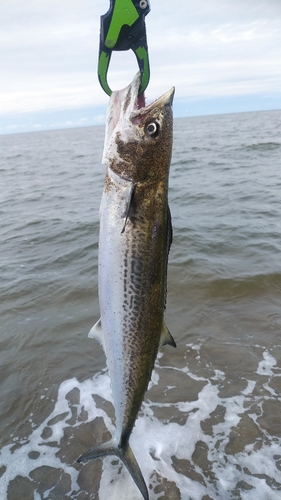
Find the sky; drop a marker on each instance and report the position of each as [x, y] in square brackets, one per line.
[222, 56]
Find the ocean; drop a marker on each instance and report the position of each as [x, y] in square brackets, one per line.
[210, 424]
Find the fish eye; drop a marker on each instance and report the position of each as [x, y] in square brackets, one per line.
[152, 129]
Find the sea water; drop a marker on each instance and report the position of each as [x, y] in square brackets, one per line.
[210, 424]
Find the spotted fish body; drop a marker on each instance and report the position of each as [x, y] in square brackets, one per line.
[135, 237]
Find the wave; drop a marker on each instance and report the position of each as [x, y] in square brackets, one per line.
[263, 146]
[185, 445]
[211, 285]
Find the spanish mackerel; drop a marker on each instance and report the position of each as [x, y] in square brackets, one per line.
[135, 238]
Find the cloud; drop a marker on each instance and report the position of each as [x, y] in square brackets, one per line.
[55, 91]
[49, 52]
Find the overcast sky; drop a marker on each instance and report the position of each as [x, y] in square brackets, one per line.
[221, 55]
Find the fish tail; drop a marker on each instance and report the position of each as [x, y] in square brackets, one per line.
[129, 460]
[98, 451]
[125, 454]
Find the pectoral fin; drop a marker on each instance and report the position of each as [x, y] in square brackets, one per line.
[129, 197]
[166, 338]
[126, 190]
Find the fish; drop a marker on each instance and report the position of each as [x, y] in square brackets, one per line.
[134, 242]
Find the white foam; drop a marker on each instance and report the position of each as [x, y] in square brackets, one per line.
[265, 366]
[157, 444]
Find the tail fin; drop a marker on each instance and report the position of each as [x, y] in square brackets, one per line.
[126, 455]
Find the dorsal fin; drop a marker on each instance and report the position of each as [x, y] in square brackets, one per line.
[166, 338]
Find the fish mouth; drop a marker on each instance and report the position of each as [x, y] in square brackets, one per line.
[123, 103]
[127, 107]
[130, 104]
[138, 102]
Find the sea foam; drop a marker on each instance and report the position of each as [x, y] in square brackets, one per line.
[190, 455]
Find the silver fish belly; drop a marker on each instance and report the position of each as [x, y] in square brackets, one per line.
[135, 237]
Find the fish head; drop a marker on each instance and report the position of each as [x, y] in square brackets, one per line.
[138, 138]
